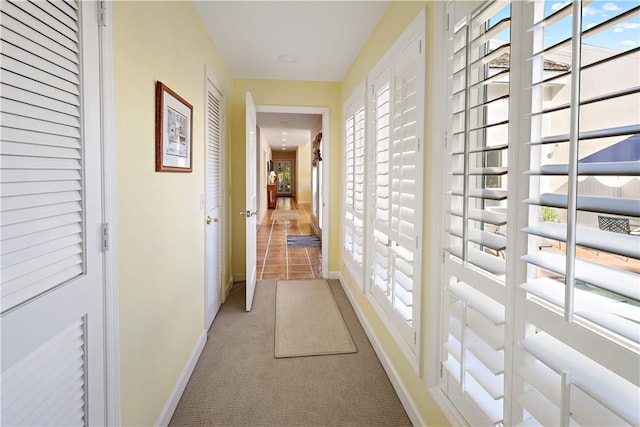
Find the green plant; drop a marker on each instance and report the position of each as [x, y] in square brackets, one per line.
[549, 214]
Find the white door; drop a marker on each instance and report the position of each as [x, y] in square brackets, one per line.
[251, 209]
[213, 201]
[52, 274]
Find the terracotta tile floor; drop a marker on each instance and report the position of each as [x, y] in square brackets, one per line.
[275, 259]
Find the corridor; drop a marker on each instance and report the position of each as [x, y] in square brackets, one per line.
[277, 261]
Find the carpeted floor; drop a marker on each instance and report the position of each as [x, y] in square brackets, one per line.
[238, 382]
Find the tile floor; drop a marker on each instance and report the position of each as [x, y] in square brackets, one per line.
[275, 259]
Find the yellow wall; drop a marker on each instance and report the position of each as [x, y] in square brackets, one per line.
[160, 224]
[396, 18]
[303, 161]
[282, 93]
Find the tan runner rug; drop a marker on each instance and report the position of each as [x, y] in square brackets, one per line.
[284, 215]
[308, 320]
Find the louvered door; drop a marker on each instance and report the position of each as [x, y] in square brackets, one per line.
[213, 202]
[52, 321]
[397, 126]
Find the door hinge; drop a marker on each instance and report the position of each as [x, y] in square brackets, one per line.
[420, 47]
[446, 23]
[105, 236]
[415, 337]
[441, 372]
[102, 13]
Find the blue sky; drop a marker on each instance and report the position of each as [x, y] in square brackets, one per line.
[623, 36]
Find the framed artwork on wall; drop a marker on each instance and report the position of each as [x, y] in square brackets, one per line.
[174, 128]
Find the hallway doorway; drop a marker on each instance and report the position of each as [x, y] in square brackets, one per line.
[277, 260]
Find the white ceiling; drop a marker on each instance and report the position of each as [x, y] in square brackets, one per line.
[324, 37]
[288, 131]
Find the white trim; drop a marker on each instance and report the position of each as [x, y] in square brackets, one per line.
[325, 166]
[110, 216]
[172, 403]
[403, 394]
[437, 154]
[448, 408]
[239, 277]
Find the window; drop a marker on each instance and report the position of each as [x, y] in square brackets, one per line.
[396, 105]
[354, 174]
[541, 282]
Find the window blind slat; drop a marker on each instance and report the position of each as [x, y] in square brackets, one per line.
[618, 281]
[615, 392]
[629, 168]
[619, 317]
[492, 310]
[616, 243]
[616, 206]
[586, 411]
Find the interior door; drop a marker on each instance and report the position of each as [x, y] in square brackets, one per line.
[213, 202]
[52, 307]
[250, 211]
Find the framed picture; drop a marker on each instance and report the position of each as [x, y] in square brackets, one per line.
[174, 128]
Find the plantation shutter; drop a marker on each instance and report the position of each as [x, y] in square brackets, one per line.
[476, 225]
[42, 157]
[397, 105]
[349, 181]
[381, 172]
[583, 293]
[406, 176]
[354, 184]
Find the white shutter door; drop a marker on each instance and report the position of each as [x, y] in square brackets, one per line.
[381, 182]
[406, 182]
[213, 201]
[359, 189]
[582, 290]
[354, 178]
[42, 236]
[349, 153]
[476, 228]
[52, 322]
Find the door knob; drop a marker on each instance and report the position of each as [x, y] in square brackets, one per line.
[248, 213]
[210, 220]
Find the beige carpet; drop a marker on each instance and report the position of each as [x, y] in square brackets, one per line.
[238, 382]
[308, 321]
[284, 215]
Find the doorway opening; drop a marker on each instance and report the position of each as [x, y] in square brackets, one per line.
[292, 204]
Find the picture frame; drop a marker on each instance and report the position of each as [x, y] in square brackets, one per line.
[174, 131]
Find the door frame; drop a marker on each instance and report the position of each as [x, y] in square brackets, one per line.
[324, 227]
[109, 217]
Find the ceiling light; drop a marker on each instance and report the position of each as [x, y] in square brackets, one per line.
[284, 148]
[287, 58]
[284, 145]
[284, 133]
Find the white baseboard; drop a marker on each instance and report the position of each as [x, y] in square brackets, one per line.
[239, 277]
[407, 402]
[335, 275]
[176, 394]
